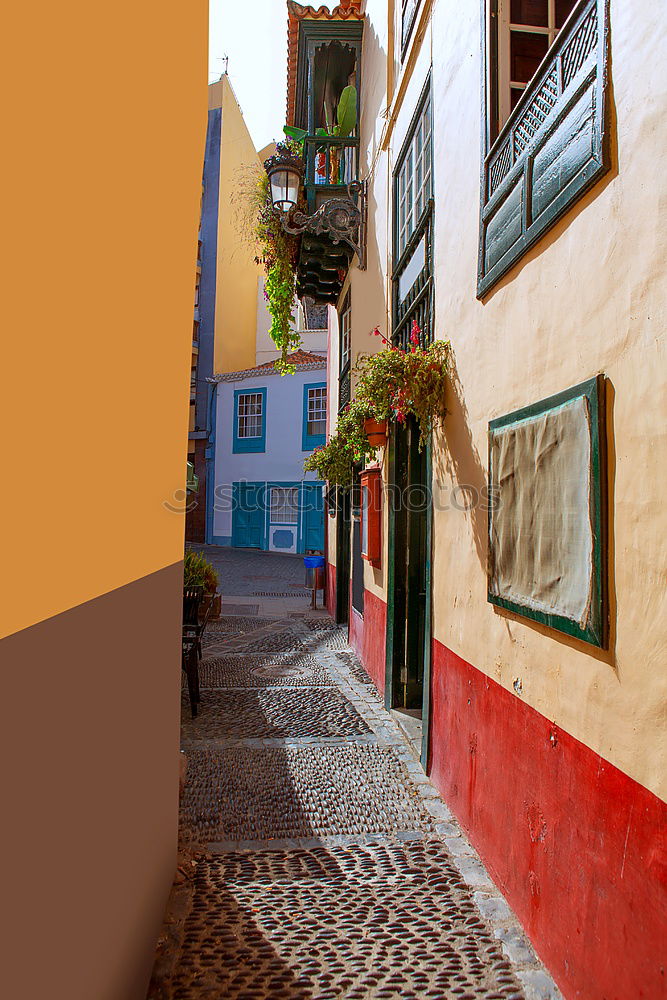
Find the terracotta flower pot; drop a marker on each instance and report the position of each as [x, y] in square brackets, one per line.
[376, 431]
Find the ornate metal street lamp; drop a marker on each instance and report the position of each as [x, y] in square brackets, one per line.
[343, 220]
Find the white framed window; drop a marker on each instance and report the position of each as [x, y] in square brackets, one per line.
[317, 411]
[250, 415]
[284, 504]
[414, 182]
[526, 31]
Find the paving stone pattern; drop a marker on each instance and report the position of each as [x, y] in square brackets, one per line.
[270, 713]
[320, 861]
[281, 670]
[242, 793]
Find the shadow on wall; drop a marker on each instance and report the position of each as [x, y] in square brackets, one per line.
[460, 461]
[373, 96]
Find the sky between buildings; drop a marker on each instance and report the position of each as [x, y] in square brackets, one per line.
[253, 35]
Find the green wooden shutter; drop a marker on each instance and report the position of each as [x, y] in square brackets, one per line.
[552, 148]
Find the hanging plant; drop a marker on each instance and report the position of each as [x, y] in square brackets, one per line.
[346, 122]
[278, 253]
[391, 385]
[394, 384]
[347, 446]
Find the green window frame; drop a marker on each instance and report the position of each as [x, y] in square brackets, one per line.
[313, 432]
[412, 277]
[594, 627]
[249, 420]
[553, 146]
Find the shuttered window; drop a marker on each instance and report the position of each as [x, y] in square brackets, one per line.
[547, 72]
[412, 277]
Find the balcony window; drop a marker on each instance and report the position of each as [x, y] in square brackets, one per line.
[526, 31]
[546, 130]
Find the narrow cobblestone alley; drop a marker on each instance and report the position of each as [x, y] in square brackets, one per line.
[317, 859]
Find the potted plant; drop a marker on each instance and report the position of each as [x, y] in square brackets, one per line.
[199, 572]
[346, 122]
[376, 431]
[393, 384]
[347, 446]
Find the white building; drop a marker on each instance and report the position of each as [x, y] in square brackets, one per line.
[266, 424]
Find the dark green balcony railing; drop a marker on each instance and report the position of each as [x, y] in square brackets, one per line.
[331, 164]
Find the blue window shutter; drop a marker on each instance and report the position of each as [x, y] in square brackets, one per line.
[310, 441]
[249, 444]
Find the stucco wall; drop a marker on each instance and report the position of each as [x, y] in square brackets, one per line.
[236, 292]
[283, 459]
[588, 298]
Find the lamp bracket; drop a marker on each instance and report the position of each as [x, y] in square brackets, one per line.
[342, 219]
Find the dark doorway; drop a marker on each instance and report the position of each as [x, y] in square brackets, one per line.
[357, 560]
[343, 508]
[409, 626]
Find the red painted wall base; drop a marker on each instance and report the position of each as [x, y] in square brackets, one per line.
[578, 848]
[368, 637]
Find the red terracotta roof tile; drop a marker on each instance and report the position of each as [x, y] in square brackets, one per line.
[300, 359]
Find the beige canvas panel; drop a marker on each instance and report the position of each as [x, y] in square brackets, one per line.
[541, 533]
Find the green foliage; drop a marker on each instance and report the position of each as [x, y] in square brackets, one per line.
[297, 134]
[278, 252]
[332, 462]
[391, 385]
[346, 113]
[199, 572]
[349, 444]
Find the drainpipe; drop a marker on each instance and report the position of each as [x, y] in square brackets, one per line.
[210, 460]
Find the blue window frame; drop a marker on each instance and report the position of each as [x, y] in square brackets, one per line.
[249, 420]
[314, 415]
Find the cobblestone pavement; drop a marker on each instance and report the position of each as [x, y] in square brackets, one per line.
[245, 572]
[318, 861]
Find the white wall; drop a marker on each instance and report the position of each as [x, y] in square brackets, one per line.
[284, 457]
[265, 348]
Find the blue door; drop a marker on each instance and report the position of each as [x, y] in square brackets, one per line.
[248, 516]
[312, 500]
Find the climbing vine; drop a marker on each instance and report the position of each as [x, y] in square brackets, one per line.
[277, 253]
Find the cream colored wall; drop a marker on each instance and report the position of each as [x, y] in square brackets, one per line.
[590, 297]
[236, 298]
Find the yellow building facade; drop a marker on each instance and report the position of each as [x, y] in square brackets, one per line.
[226, 287]
[93, 539]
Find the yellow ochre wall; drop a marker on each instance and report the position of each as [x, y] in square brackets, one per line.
[102, 210]
[589, 297]
[237, 273]
[102, 184]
